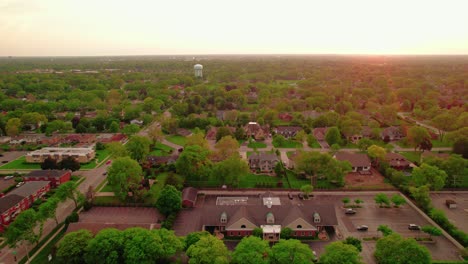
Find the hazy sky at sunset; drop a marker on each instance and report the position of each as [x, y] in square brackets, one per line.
[139, 27]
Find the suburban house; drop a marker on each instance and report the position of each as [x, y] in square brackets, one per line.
[80, 139]
[211, 133]
[264, 162]
[286, 117]
[183, 132]
[19, 200]
[366, 132]
[55, 177]
[397, 161]
[287, 131]
[239, 216]
[319, 133]
[82, 155]
[106, 138]
[254, 130]
[189, 197]
[392, 133]
[161, 160]
[359, 162]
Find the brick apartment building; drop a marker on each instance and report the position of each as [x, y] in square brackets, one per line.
[56, 177]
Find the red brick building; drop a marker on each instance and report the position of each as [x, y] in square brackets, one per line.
[56, 177]
[20, 199]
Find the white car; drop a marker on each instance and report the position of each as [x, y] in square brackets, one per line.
[19, 184]
[8, 177]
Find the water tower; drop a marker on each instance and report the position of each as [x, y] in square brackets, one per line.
[198, 70]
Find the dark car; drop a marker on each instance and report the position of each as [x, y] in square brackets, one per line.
[362, 228]
[350, 211]
[290, 196]
[414, 227]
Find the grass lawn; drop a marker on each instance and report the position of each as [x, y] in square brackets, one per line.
[161, 150]
[101, 155]
[257, 145]
[20, 164]
[296, 182]
[440, 144]
[403, 143]
[289, 144]
[413, 156]
[312, 142]
[158, 185]
[251, 180]
[107, 188]
[176, 139]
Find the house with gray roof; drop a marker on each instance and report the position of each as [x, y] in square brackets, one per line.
[264, 162]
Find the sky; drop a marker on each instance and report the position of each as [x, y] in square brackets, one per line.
[170, 27]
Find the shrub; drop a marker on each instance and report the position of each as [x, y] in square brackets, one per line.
[169, 222]
[87, 205]
[72, 218]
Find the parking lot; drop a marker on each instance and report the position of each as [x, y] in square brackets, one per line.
[11, 155]
[458, 216]
[397, 219]
[6, 183]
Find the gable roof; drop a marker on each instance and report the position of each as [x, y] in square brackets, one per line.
[356, 159]
[320, 132]
[239, 214]
[263, 156]
[29, 188]
[9, 201]
[293, 214]
[288, 129]
[47, 173]
[189, 194]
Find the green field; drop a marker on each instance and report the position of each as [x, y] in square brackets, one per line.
[251, 180]
[289, 144]
[257, 145]
[440, 144]
[176, 139]
[413, 156]
[20, 164]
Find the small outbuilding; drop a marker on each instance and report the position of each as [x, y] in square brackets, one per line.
[189, 197]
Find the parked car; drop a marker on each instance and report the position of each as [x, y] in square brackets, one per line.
[290, 196]
[414, 227]
[108, 162]
[19, 184]
[350, 211]
[8, 177]
[104, 173]
[362, 228]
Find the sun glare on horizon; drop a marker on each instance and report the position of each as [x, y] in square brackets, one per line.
[89, 28]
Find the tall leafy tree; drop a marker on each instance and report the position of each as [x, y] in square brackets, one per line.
[69, 190]
[355, 242]
[13, 126]
[71, 248]
[194, 237]
[228, 171]
[421, 195]
[49, 209]
[106, 247]
[291, 251]
[138, 147]
[340, 253]
[333, 136]
[382, 198]
[316, 163]
[393, 249]
[169, 201]
[122, 174]
[427, 174]
[208, 250]
[252, 250]
[193, 162]
[226, 147]
[22, 229]
[417, 135]
[116, 149]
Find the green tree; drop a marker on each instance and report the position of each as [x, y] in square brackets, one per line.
[114, 127]
[130, 129]
[358, 201]
[71, 248]
[223, 132]
[13, 127]
[198, 139]
[427, 174]
[257, 232]
[333, 136]
[208, 250]
[356, 242]
[138, 147]
[226, 147]
[340, 253]
[376, 153]
[69, 190]
[291, 251]
[286, 233]
[278, 141]
[106, 247]
[444, 122]
[155, 134]
[48, 209]
[456, 168]
[398, 200]
[193, 238]
[193, 163]
[316, 163]
[252, 250]
[345, 201]
[116, 150]
[431, 231]
[364, 144]
[382, 198]
[22, 229]
[421, 195]
[122, 174]
[228, 171]
[69, 163]
[169, 201]
[393, 249]
[417, 135]
[143, 246]
[385, 229]
[307, 189]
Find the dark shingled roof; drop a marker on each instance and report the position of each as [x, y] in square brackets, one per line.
[29, 188]
[9, 201]
[47, 173]
[356, 159]
[263, 156]
[189, 194]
